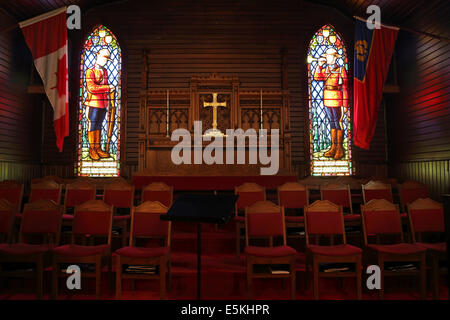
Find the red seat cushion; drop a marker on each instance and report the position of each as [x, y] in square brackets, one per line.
[297, 219]
[23, 249]
[120, 218]
[352, 217]
[399, 248]
[337, 250]
[139, 252]
[269, 252]
[441, 246]
[80, 251]
[67, 217]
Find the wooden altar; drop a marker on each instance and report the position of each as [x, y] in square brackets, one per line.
[163, 111]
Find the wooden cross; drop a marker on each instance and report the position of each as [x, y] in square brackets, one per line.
[214, 104]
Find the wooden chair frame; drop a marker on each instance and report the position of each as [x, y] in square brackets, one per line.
[157, 186]
[123, 223]
[433, 256]
[375, 185]
[150, 207]
[385, 205]
[292, 186]
[408, 185]
[99, 260]
[245, 187]
[314, 260]
[268, 207]
[39, 259]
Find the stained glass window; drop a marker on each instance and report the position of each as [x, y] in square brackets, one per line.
[100, 102]
[329, 107]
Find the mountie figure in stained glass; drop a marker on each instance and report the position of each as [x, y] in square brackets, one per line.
[335, 98]
[100, 104]
[99, 97]
[329, 104]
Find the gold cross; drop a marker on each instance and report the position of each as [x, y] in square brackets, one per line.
[214, 104]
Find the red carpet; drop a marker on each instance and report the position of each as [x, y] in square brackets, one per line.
[223, 276]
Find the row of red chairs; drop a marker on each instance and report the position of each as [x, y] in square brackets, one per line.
[94, 219]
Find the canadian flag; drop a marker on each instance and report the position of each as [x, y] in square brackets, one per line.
[46, 36]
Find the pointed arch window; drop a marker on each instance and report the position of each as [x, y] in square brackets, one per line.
[100, 105]
[329, 107]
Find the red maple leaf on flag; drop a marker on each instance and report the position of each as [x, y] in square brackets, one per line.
[61, 76]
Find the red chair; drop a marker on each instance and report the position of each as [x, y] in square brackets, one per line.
[77, 193]
[324, 218]
[41, 219]
[13, 192]
[293, 196]
[7, 216]
[264, 219]
[340, 194]
[426, 217]
[146, 223]
[158, 191]
[120, 195]
[376, 190]
[248, 193]
[410, 191]
[381, 218]
[93, 219]
[46, 190]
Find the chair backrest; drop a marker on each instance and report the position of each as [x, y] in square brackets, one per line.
[13, 192]
[380, 217]
[119, 195]
[338, 194]
[248, 193]
[292, 195]
[376, 190]
[264, 219]
[93, 218]
[352, 182]
[41, 217]
[78, 192]
[146, 222]
[7, 215]
[46, 189]
[158, 191]
[425, 216]
[324, 217]
[409, 191]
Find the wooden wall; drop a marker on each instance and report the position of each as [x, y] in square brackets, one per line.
[419, 117]
[20, 121]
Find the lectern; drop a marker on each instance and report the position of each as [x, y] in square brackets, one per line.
[201, 208]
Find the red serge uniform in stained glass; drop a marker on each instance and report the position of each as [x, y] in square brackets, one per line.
[100, 102]
[335, 98]
[329, 115]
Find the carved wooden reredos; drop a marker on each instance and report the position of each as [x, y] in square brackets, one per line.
[242, 109]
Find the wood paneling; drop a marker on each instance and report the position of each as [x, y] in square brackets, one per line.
[419, 117]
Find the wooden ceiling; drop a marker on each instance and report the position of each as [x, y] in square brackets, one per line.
[430, 16]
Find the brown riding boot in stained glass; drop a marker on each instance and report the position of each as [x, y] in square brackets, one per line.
[92, 146]
[330, 153]
[340, 149]
[100, 152]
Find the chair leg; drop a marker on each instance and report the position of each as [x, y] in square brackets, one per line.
[238, 239]
[124, 233]
[40, 276]
[249, 278]
[118, 278]
[423, 277]
[98, 276]
[306, 273]
[435, 275]
[55, 271]
[381, 265]
[169, 278]
[316, 279]
[358, 271]
[162, 278]
[293, 281]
